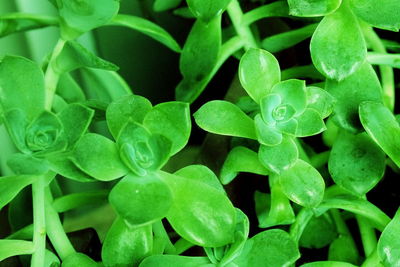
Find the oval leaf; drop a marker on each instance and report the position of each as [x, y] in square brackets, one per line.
[303, 184]
[225, 118]
[313, 8]
[389, 243]
[173, 261]
[337, 47]
[11, 185]
[258, 72]
[207, 9]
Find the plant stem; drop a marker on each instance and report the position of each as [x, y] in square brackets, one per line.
[236, 16]
[159, 231]
[55, 230]
[368, 236]
[52, 76]
[39, 220]
[387, 74]
[373, 260]
[182, 245]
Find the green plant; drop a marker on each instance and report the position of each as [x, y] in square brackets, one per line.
[317, 134]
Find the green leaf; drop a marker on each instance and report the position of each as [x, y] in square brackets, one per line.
[148, 28]
[389, 244]
[172, 120]
[75, 119]
[241, 159]
[142, 151]
[201, 50]
[27, 164]
[320, 100]
[130, 107]
[16, 122]
[383, 14]
[267, 135]
[78, 200]
[15, 91]
[382, 127]
[258, 72]
[312, 8]
[63, 165]
[309, 123]
[205, 221]
[328, 264]
[11, 185]
[207, 9]
[69, 89]
[98, 156]
[164, 5]
[78, 17]
[303, 184]
[319, 232]
[356, 163]
[20, 22]
[225, 118]
[337, 47]
[202, 174]
[363, 85]
[343, 249]
[78, 259]
[269, 248]
[104, 85]
[293, 93]
[280, 157]
[126, 246]
[273, 209]
[141, 200]
[74, 56]
[9, 248]
[173, 261]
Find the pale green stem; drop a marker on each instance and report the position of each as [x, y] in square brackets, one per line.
[236, 16]
[55, 230]
[373, 260]
[52, 76]
[367, 232]
[182, 245]
[159, 231]
[387, 74]
[39, 222]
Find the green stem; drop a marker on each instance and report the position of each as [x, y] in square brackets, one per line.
[373, 260]
[236, 16]
[160, 232]
[368, 237]
[39, 220]
[340, 224]
[52, 76]
[182, 245]
[387, 74]
[55, 230]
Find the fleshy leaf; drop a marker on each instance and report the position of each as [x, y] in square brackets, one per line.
[75, 55]
[267, 106]
[11, 185]
[293, 93]
[225, 118]
[75, 119]
[142, 151]
[207, 9]
[201, 50]
[78, 17]
[202, 174]
[130, 107]
[126, 246]
[320, 100]
[148, 28]
[312, 8]
[63, 165]
[27, 164]
[319, 232]
[389, 244]
[267, 135]
[269, 248]
[16, 123]
[356, 163]
[363, 85]
[258, 72]
[337, 47]
[241, 159]
[344, 249]
[172, 120]
[149, 197]
[205, 221]
[164, 5]
[98, 156]
[309, 123]
[328, 264]
[303, 184]
[382, 126]
[9, 248]
[16, 92]
[280, 157]
[78, 259]
[174, 260]
[382, 14]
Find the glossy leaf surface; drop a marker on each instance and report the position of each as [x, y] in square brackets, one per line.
[207, 9]
[337, 47]
[312, 8]
[202, 174]
[78, 259]
[389, 244]
[174, 260]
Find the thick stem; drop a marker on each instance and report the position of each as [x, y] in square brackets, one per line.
[55, 230]
[52, 76]
[368, 236]
[39, 220]
[160, 232]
